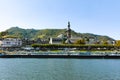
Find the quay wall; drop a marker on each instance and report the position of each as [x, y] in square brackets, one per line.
[64, 56]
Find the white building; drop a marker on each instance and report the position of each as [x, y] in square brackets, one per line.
[10, 42]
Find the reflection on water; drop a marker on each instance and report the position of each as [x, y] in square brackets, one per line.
[59, 69]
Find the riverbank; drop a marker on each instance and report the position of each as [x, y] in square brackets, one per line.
[60, 52]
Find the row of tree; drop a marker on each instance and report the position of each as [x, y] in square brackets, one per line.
[73, 46]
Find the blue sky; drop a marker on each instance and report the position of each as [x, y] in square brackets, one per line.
[100, 17]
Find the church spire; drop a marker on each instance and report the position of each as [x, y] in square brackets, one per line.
[68, 24]
[69, 30]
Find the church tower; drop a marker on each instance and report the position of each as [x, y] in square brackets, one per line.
[68, 30]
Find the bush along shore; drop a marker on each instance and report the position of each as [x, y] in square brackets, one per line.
[76, 47]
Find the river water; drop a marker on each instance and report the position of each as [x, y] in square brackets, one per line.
[59, 69]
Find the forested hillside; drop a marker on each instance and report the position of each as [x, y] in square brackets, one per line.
[46, 33]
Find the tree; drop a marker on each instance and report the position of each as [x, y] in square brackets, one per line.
[4, 33]
[105, 42]
[81, 41]
[117, 43]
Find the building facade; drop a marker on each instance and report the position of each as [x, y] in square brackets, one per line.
[10, 42]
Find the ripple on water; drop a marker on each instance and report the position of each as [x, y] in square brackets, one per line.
[59, 69]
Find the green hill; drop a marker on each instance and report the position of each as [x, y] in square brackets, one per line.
[46, 33]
